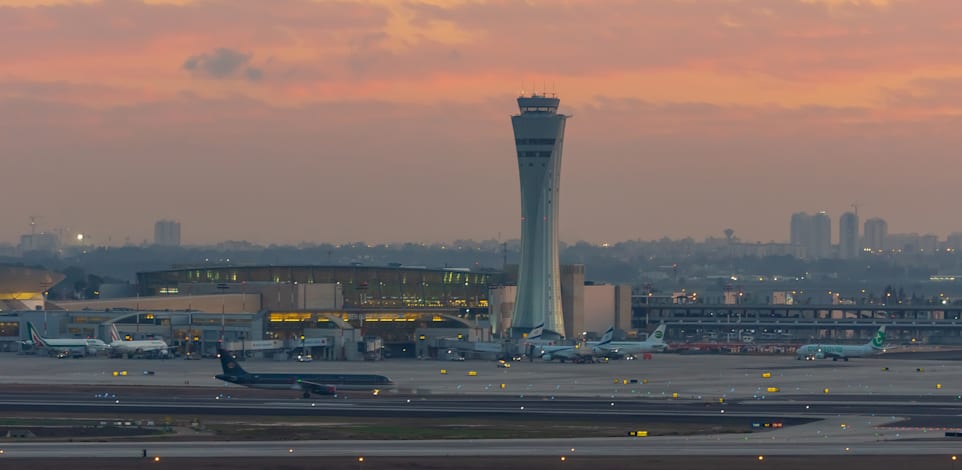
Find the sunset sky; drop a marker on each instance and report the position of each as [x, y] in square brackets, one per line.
[284, 121]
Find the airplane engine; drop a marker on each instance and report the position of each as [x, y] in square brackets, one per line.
[547, 357]
[819, 355]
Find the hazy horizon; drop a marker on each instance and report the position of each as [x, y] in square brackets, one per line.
[335, 122]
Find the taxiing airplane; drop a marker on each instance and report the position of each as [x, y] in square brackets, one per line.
[654, 343]
[318, 384]
[63, 347]
[843, 351]
[141, 346]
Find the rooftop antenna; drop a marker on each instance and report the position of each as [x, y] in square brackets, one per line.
[33, 224]
[855, 206]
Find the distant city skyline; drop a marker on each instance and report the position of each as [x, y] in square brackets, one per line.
[817, 229]
[382, 121]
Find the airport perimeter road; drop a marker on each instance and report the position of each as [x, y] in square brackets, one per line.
[704, 377]
[828, 438]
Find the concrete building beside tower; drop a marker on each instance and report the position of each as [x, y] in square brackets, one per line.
[848, 241]
[539, 138]
[167, 233]
[876, 231]
[800, 232]
[813, 233]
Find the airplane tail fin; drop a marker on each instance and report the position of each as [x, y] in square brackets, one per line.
[609, 335]
[229, 363]
[658, 336]
[38, 340]
[114, 334]
[536, 332]
[879, 340]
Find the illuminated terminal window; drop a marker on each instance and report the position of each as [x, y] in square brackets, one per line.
[289, 317]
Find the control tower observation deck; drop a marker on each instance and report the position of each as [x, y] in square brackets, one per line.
[539, 138]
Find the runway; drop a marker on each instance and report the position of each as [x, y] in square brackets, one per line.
[825, 438]
[870, 407]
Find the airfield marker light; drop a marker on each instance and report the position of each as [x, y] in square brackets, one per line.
[674, 395]
[444, 372]
[825, 390]
[123, 372]
[290, 451]
[563, 458]
[761, 457]
[502, 386]
[938, 386]
[116, 373]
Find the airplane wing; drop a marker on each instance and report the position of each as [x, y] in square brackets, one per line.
[318, 388]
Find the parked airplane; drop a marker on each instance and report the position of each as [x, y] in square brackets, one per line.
[584, 351]
[319, 384]
[63, 347]
[843, 351]
[142, 346]
[654, 343]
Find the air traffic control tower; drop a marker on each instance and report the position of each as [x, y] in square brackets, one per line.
[539, 136]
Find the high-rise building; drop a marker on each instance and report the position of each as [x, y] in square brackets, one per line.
[539, 137]
[821, 246]
[929, 243]
[954, 241]
[848, 245]
[876, 230]
[801, 232]
[167, 233]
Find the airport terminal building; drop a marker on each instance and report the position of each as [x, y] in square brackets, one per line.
[329, 312]
[332, 312]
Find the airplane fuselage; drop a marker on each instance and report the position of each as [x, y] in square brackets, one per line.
[834, 351]
[138, 346]
[281, 381]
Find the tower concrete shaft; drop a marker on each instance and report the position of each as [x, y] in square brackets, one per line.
[539, 137]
